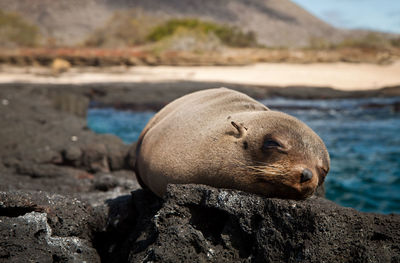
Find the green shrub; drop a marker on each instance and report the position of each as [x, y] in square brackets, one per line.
[15, 31]
[230, 36]
[191, 40]
[319, 43]
[395, 42]
[370, 41]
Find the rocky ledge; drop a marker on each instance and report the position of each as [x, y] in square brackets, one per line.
[195, 223]
[69, 195]
[202, 224]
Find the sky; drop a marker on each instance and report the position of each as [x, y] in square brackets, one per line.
[380, 15]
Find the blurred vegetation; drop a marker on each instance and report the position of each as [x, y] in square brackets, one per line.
[15, 31]
[228, 35]
[372, 40]
[396, 42]
[192, 40]
[318, 43]
[133, 27]
[125, 28]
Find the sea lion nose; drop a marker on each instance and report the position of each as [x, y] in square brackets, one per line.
[306, 175]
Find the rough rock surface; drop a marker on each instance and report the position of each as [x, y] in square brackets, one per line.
[42, 227]
[55, 176]
[203, 224]
[44, 148]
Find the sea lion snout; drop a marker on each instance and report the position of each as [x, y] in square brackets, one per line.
[306, 175]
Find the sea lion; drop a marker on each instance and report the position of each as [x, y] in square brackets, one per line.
[225, 139]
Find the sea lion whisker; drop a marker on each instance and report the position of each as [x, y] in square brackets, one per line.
[279, 166]
[270, 168]
[262, 170]
[258, 162]
[256, 169]
[242, 164]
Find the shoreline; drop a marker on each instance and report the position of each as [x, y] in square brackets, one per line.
[339, 76]
[154, 96]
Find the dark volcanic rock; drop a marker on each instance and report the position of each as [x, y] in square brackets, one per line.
[154, 96]
[202, 224]
[129, 220]
[95, 158]
[50, 148]
[396, 107]
[41, 227]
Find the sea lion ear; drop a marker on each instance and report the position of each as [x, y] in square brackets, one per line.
[240, 128]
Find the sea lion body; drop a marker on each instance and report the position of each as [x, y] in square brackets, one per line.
[225, 139]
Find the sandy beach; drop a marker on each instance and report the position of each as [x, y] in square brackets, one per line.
[342, 76]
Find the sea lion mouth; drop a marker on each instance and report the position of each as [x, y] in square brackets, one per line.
[283, 183]
[284, 191]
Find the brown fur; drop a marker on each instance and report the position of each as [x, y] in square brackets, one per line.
[215, 137]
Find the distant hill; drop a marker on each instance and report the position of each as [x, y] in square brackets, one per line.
[275, 22]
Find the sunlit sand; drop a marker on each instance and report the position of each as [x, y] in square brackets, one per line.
[344, 76]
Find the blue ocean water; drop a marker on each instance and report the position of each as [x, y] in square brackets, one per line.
[363, 142]
[125, 124]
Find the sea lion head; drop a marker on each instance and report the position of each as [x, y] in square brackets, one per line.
[284, 157]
